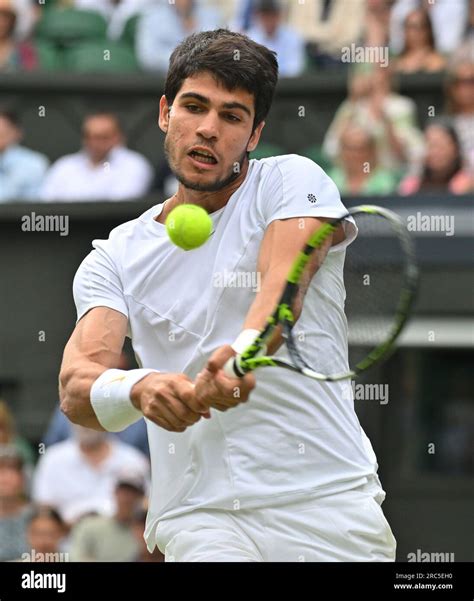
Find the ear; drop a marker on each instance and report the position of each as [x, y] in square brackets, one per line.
[163, 119]
[255, 137]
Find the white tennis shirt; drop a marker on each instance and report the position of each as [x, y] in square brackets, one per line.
[294, 436]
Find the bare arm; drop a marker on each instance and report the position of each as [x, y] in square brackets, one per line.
[280, 246]
[167, 399]
[94, 346]
[282, 241]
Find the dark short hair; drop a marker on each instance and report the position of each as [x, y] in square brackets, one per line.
[46, 512]
[10, 115]
[233, 59]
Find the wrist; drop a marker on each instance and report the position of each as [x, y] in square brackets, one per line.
[244, 340]
[111, 400]
[136, 391]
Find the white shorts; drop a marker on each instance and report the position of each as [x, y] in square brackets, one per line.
[348, 526]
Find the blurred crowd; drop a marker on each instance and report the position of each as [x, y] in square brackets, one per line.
[79, 495]
[374, 144]
[80, 498]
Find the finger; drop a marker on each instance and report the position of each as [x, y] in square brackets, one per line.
[219, 358]
[161, 421]
[182, 412]
[186, 393]
[235, 387]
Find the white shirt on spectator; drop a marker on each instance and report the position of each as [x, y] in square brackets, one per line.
[65, 480]
[125, 174]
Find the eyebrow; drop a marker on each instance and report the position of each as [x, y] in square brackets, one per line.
[226, 105]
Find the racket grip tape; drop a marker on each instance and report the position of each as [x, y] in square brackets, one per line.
[231, 368]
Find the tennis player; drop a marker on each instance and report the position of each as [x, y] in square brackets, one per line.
[287, 474]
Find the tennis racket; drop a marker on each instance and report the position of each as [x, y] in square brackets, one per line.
[380, 280]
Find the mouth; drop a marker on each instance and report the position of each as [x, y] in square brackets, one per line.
[202, 156]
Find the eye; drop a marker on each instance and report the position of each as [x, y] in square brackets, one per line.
[193, 108]
[233, 118]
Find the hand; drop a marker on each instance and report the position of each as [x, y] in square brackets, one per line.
[216, 389]
[166, 400]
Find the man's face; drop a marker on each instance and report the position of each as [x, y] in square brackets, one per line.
[204, 114]
[11, 482]
[356, 150]
[44, 535]
[9, 134]
[128, 500]
[100, 134]
[269, 21]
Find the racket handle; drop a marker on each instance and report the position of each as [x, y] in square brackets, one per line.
[231, 368]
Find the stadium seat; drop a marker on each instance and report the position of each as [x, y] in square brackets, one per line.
[130, 30]
[101, 56]
[316, 154]
[265, 150]
[49, 59]
[69, 26]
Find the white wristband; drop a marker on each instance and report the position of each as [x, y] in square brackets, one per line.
[110, 398]
[244, 340]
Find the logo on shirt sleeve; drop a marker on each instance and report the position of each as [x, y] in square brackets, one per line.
[312, 198]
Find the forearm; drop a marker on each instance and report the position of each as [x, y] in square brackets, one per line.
[275, 271]
[262, 307]
[75, 385]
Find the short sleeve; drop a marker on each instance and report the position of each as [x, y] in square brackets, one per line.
[97, 282]
[297, 187]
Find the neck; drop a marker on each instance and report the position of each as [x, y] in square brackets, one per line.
[10, 505]
[96, 454]
[211, 201]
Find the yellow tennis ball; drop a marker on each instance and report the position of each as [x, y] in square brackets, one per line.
[188, 226]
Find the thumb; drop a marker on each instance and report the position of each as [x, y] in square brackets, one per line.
[219, 358]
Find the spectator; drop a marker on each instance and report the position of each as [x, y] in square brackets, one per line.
[21, 170]
[60, 428]
[469, 33]
[104, 170]
[327, 27]
[442, 170]
[46, 531]
[27, 14]
[447, 16]
[377, 23]
[358, 172]
[14, 508]
[14, 55]
[115, 12]
[9, 437]
[161, 28]
[78, 476]
[138, 528]
[239, 15]
[460, 99]
[392, 118]
[104, 538]
[270, 32]
[419, 52]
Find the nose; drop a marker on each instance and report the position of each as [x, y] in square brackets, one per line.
[208, 126]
